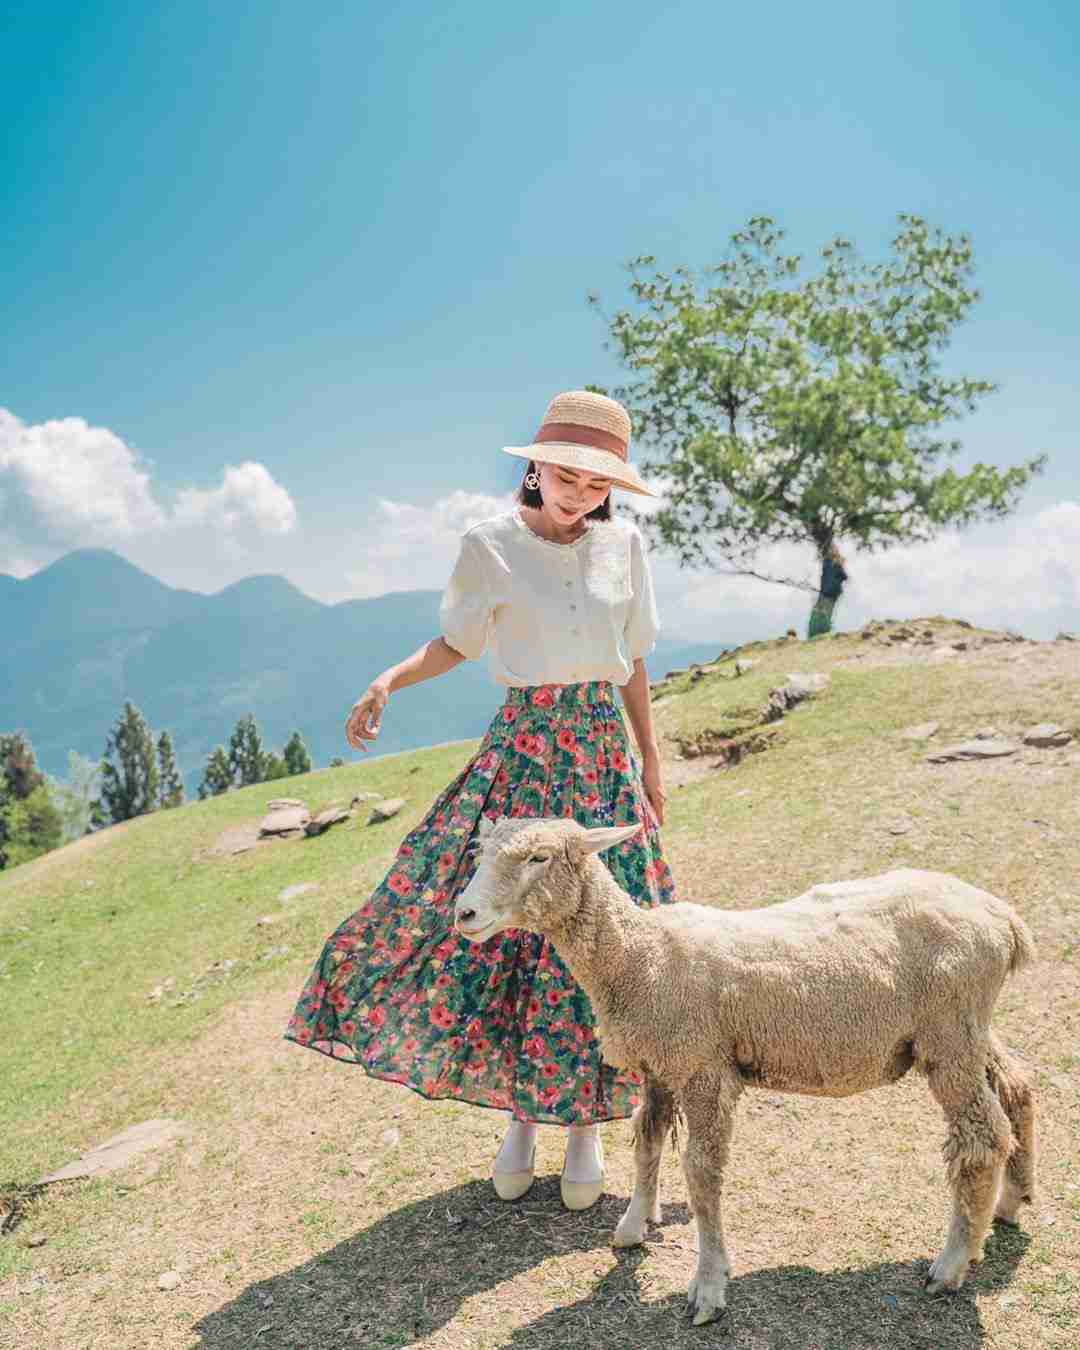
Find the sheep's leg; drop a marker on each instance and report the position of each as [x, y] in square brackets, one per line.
[1017, 1097]
[976, 1149]
[652, 1121]
[710, 1113]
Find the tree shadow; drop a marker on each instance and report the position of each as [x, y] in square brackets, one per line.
[409, 1274]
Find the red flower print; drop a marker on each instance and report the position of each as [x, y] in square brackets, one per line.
[548, 1096]
[592, 801]
[537, 748]
[455, 1043]
[441, 1017]
[554, 997]
[408, 1046]
[486, 761]
[474, 1029]
[412, 913]
[586, 1090]
[590, 776]
[376, 1017]
[619, 762]
[522, 741]
[338, 1000]
[600, 760]
[502, 778]
[534, 1047]
[399, 883]
[510, 712]
[442, 981]
[543, 697]
[550, 1070]
[405, 850]
[534, 1007]
[566, 740]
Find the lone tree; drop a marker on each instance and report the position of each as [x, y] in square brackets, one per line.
[297, 759]
[775, 407]
[130, 786]
[170, 784]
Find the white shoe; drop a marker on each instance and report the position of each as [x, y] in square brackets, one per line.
[512, 1184]
[583, 1194]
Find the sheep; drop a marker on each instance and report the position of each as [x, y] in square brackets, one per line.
[839, 990]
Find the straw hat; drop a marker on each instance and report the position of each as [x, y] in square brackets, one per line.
[589, 432]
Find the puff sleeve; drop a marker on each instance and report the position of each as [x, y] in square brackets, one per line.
[642, 620]
[465, 611]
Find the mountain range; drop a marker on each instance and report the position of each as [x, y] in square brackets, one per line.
[92, 630]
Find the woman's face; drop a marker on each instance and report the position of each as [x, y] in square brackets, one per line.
[570, 494]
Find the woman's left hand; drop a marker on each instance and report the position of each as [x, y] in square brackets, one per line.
[652, 779]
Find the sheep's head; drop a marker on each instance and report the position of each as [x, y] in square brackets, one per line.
[529, 874]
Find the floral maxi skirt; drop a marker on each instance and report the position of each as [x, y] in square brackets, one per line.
[500, 1023]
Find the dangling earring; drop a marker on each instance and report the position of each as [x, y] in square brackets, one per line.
[532, 481]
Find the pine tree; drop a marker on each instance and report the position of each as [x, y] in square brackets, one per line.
[274, 767]
[128, 788]
[247, 760]
[29, 821]
[297, 759]
[170, 785]
[217, 776]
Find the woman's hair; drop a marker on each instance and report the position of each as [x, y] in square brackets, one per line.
[528, 496]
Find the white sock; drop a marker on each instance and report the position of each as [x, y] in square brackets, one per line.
[584, 1154]
[516, 1154]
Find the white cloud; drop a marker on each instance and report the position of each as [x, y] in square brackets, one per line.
[65, 484]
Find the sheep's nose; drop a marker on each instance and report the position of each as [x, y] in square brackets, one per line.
[464, 915]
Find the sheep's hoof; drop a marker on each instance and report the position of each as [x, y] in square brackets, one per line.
[946, 1274]
[628, 1234]
[704, 1304]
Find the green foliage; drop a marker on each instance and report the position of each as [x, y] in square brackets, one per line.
[170, 785]
[74, 798]
[130, 786]
[246, 755]
[217, 776]
[297, 759]
[776, 407]
[31, 825]
[274, 766]
[29, 822]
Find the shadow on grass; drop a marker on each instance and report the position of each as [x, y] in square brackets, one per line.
[405, 1277]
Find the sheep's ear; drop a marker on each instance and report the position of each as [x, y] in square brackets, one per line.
[606, 836]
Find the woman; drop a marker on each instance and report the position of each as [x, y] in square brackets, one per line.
[558, 592]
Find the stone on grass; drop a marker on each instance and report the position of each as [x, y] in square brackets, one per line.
[921, 731]
[385, 809]
[987, 749]
[743, 664]
[169, 1279]
[120, 1149]
[281, 803]
[283, 819]
[360, 798]
[1047, 735]
[265, 920]
[301, 888]
[36, 1240]
[332, 815]
[794, 690]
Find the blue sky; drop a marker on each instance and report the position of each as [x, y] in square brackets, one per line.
[343, 250]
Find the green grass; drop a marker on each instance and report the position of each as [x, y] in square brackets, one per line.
[85, 938]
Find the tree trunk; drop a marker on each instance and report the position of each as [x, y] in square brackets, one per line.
[830, 589]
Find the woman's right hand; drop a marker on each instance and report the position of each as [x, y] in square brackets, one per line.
[362, 724]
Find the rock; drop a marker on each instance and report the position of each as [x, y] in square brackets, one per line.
[120, 1149]
[36, 1240]
[1067, 637]
[793, 691]
[390, 1138]
[385, 809]
[696, 674]
[987, 749]
[1047, 736]
[332, 815]
[301, 888]
[898, 826]
[791, 633]
[170, 1279]
[987, 734]
[284, 819]
[265, 920]
[282, 803]
[362, 797]
[921, 731]
[743, 664]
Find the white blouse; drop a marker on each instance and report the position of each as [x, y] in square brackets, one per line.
[551, 613]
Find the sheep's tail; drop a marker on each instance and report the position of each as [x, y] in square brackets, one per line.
[1023, 944]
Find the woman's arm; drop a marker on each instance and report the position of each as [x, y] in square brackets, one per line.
[635, 696]
[433, 658]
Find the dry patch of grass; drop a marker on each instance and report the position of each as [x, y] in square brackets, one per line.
[311, 1207]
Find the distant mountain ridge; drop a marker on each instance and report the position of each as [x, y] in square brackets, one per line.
[92, 630]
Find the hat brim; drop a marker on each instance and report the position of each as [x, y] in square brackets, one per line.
[588, 459]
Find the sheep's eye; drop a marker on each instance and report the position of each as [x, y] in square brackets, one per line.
[539, 857]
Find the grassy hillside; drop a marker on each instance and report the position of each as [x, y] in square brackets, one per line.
[309, 1206]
